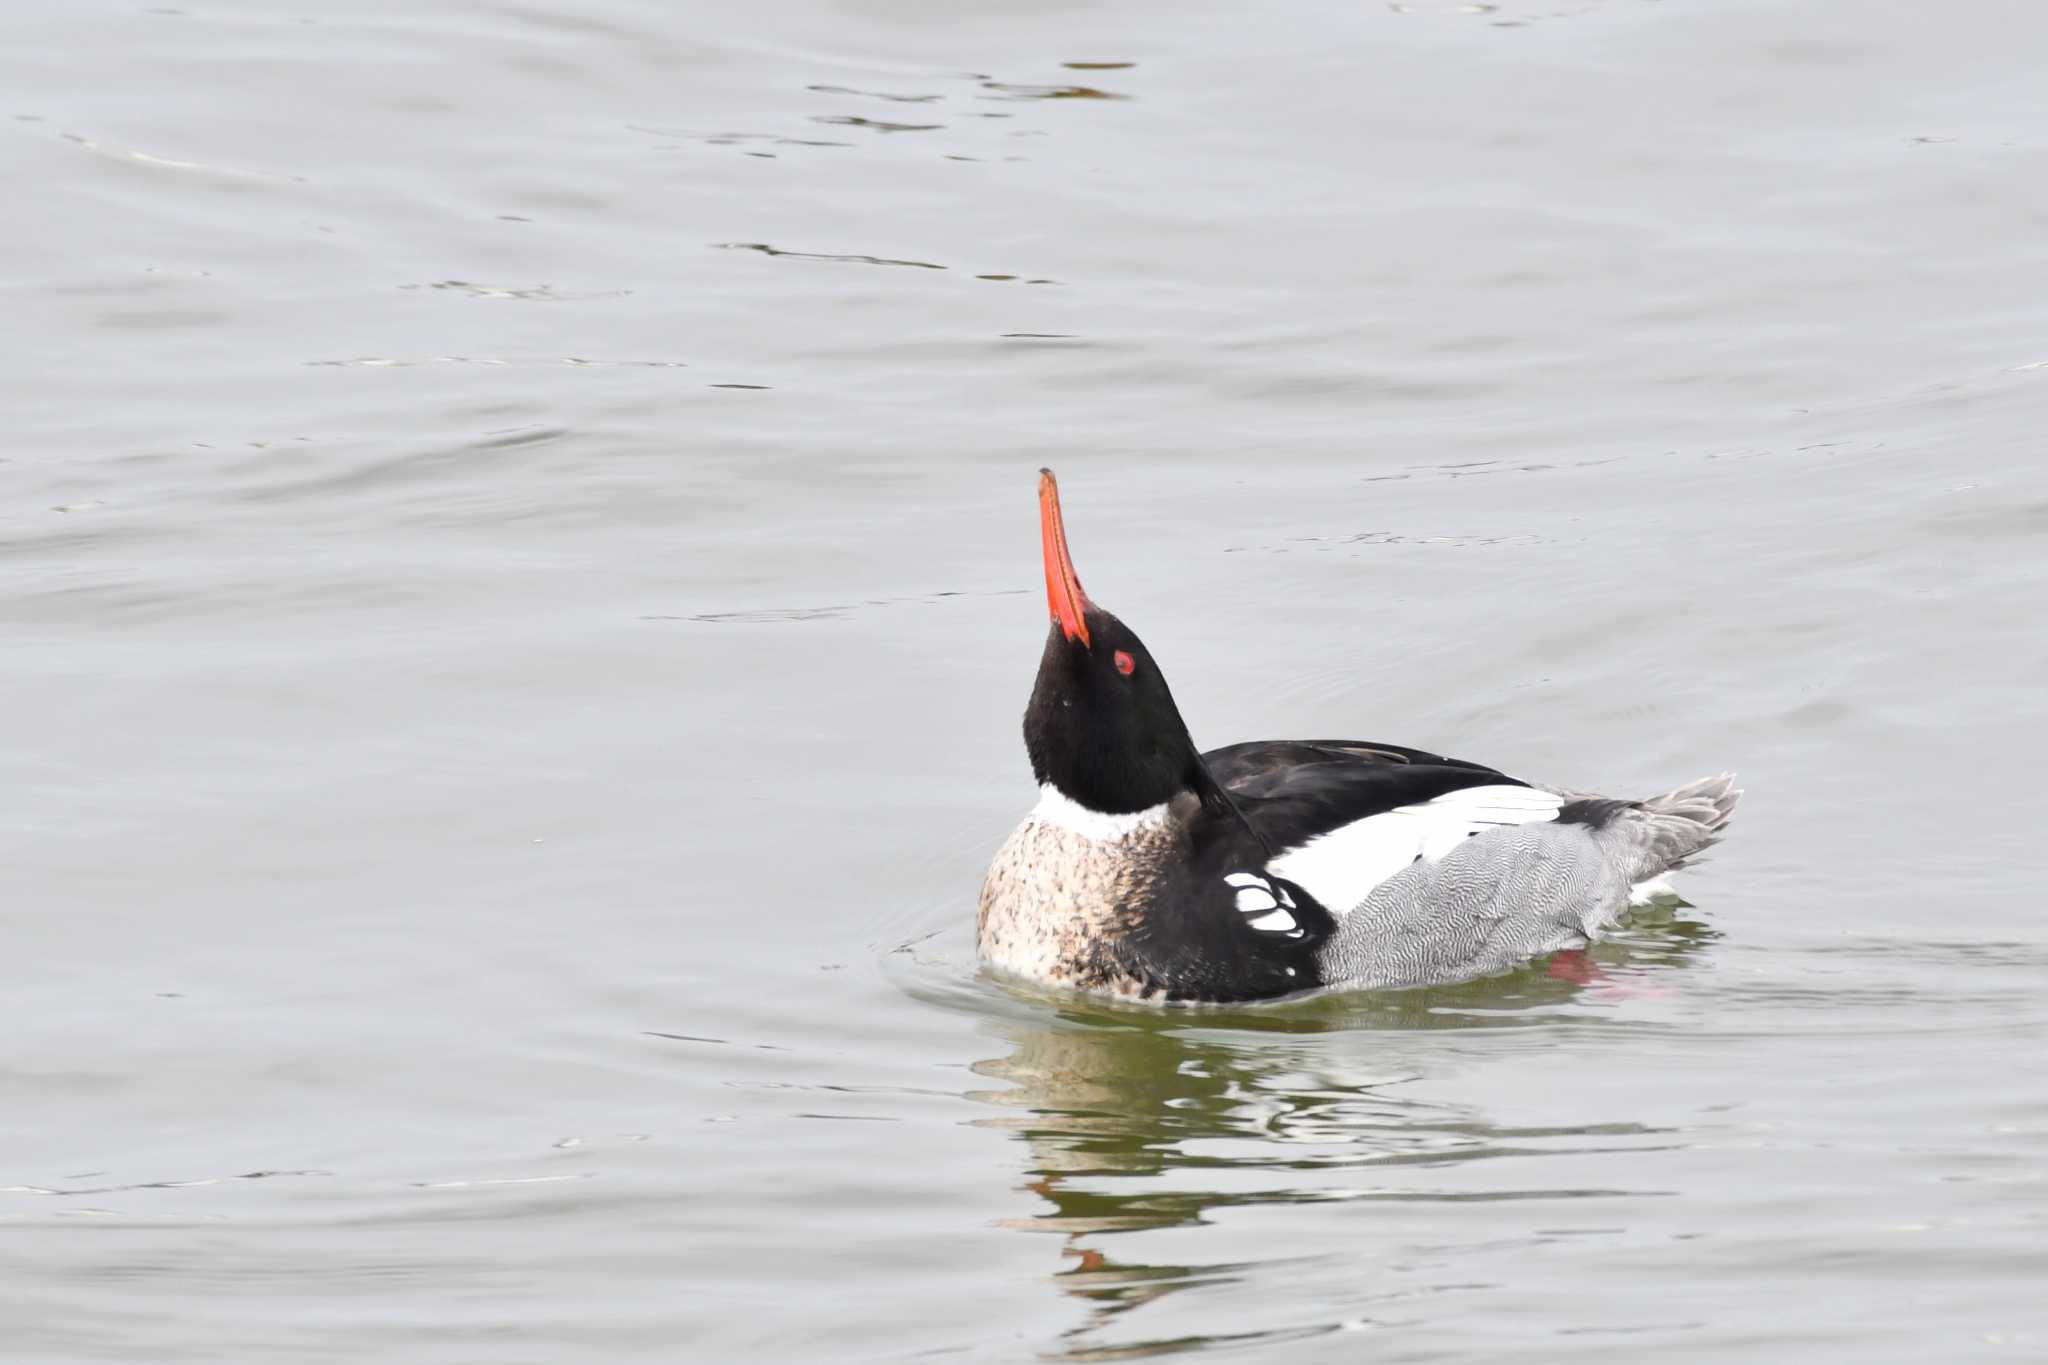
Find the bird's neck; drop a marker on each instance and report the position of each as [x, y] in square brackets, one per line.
[1057, 808]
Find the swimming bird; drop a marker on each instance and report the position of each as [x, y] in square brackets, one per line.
[1152, 871]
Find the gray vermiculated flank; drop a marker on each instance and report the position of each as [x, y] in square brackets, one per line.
[1519, 891]
[1497, 899]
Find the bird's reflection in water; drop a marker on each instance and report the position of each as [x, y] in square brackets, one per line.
[1137, 1120]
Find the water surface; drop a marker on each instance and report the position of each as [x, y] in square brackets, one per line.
[521, 576]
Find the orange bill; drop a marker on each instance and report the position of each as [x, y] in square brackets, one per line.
[1062, 590]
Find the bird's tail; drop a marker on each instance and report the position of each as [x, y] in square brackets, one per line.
[1663, 833]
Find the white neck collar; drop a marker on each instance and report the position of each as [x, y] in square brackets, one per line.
[1055, 807]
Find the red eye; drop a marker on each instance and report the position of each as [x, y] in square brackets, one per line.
[1125, 663]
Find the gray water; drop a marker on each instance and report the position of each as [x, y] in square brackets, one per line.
[521, 574]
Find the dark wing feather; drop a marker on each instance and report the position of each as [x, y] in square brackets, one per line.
[1294, 790]
[1238, 764]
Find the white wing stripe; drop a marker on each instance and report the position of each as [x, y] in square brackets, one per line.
[1342, 867]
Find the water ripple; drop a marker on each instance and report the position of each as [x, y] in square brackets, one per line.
[766, 250]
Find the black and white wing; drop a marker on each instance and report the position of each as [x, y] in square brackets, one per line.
[1344, 817]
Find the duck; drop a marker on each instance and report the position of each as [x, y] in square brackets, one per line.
[1153, 871]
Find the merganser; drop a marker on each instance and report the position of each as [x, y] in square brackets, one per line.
[1152, 871]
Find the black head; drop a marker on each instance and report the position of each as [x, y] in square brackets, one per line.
[1101, 726]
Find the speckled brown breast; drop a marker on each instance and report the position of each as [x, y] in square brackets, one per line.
[1057, 906]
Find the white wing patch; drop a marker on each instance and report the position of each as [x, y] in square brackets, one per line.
[1265, 903]
[1342, 867]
